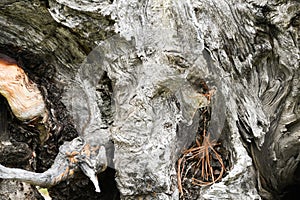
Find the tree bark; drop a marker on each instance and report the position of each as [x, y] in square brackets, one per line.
[135, 76]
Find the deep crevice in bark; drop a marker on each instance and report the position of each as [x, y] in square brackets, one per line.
[256, 46]
[26, 138]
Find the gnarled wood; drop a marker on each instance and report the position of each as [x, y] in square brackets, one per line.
[247, 50]
[24, 97]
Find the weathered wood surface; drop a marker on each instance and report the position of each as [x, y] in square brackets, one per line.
[135, 87]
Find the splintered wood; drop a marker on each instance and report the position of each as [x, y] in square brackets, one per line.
[23, 96]
[201, 164]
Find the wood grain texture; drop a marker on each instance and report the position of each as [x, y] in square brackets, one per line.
[247, 50]
[23, 96]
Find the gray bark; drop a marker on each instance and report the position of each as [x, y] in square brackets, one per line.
[126, 73]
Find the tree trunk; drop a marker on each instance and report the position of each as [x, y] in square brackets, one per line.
[143, 80]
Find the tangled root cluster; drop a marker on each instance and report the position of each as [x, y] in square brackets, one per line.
[201, 164]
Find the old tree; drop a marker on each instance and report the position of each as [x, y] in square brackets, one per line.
[149, 99]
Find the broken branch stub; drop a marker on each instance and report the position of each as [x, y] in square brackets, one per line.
[23, 96]
[27, 105]
[72, 156]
